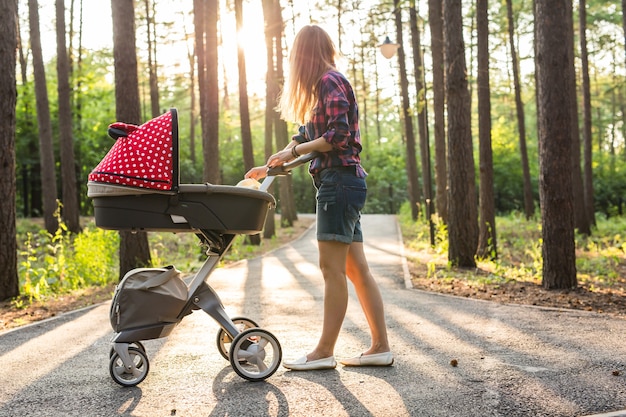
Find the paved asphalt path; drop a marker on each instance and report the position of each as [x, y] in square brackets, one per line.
[512, 360]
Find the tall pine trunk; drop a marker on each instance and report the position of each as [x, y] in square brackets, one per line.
[435, 22]
[46, 151]
[288, 213]
[422, 119]
[587, 138]
[271, 93]
[462, 215]
[155, 108]
[529, 206]
[487, 242]
[554, 60]
[407, 119]
[134, 249]
[210, 128]
[9, 280]
[581, 222]
[69, 211]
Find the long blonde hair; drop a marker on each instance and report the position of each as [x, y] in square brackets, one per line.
[312, 55]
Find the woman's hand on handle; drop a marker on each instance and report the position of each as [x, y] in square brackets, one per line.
[257, 173]
[280, 158]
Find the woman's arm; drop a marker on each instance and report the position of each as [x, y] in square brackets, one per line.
[290, 152]
[294, 149]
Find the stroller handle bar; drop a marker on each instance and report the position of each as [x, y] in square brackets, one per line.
[286, 168]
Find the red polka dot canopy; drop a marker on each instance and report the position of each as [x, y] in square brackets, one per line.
[143, 156]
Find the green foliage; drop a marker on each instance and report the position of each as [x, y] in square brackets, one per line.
[508, 179]
[598, 257]
[180, 249]
[387, 185]
[55, 263]
[610, 186]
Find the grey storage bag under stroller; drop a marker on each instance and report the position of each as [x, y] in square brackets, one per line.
[148, 296]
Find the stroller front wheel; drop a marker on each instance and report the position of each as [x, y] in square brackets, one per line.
[137, 345]
[134, 373]
[255, 354]
[224, 340]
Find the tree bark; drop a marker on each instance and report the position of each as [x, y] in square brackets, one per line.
[134, 248]
[407, 119]
[422, 120]
[587, 137]
[70, 210]
[487, 241]
[155, 108]
[462, 215]
[9, 280]
[529, 206]
[555, 143]
[581, 221]
[288, 212]
[244, 110]
[435, 18]
[46, 151]
[271, 93]
[211, 123]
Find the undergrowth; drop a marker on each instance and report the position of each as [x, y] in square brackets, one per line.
[54, 264]
[519, 257]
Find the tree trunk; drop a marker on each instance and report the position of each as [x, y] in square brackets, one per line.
[529, 206]
[244, 110]
[587, 138]
[435, 21]
[211, 123]
[487, 242]
[407, 119]
[70, 209]
[46, 151]
[199, 29]
[29, 168]
[134, 249]
[205, 24]
[555, 143]
[192, 103]
[9, 280]
[271, 93]
[581, 222]
[155, 108]
[287, 202]
[462, 215]
[422, 120]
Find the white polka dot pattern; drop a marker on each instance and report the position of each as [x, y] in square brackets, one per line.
[142, 159]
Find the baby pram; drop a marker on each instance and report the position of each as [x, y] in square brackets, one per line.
[136, 188]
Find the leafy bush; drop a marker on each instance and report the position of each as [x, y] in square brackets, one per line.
[56, 263]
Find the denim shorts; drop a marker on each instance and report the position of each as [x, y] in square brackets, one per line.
[340, 198]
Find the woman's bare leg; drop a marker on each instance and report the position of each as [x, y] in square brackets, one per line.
[369, 296]
[332, 261]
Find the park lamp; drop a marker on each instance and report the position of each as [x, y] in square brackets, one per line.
[388, 49]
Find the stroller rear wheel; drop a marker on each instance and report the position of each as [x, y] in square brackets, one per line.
[224, 340]
[133, 375]
[255, 354]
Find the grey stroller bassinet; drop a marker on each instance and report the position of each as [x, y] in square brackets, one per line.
[136, 187]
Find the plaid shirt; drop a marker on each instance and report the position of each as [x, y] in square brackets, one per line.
[336, 119]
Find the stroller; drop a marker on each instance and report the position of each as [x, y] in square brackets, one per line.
[136, 188]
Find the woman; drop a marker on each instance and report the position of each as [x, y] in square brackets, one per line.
[322, 100]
